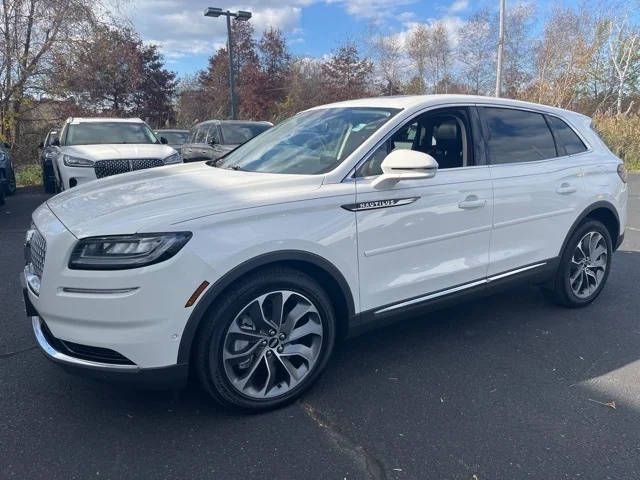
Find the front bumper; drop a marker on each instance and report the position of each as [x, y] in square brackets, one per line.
[139, 314]
[174, 376]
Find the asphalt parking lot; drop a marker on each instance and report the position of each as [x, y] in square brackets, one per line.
[507, 387]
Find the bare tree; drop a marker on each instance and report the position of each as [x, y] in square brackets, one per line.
[562, 57]
[419, 50]
[476, 52]
[386, 53]
[518, 48]
[624, 46]
[441, 56]
[30, 33]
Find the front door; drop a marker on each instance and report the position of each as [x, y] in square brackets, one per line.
[424, 237]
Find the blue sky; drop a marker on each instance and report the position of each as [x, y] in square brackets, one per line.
[312, 27]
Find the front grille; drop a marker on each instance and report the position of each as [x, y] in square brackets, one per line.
[106, 168]
[84, 352]
[38, 247]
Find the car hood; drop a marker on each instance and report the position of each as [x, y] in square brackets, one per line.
[119, 151]
[160, 197]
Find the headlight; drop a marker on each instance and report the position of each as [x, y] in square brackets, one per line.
[174, 158]
[120, 252]
[70, 161]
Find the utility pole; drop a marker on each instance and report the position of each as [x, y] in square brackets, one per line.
[234, 108]
[240, 15]
[500, 51]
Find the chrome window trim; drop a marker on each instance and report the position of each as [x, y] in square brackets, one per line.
[350, 177]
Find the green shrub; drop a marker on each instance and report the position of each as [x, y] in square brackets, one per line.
[29, 175]
[622, 136]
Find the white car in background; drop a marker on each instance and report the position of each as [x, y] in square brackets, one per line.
[91, 148]
[340, 218]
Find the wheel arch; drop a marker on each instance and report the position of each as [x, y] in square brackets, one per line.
[327, 274]
[602, 211]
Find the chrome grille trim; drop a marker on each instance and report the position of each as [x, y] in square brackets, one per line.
[38, 246]
[107, 168]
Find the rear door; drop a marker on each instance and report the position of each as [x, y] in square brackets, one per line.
[537, 189]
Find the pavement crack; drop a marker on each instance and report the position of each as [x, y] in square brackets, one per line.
[369, 463]
[17, 352]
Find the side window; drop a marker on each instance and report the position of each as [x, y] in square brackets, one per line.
[212, 134]
[516, 136]
[200, 134]
[444, 134]
[566, 139]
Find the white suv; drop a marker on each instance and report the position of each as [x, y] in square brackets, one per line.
[248, 270]
[90, 148]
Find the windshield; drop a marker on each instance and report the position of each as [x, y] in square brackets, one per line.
[101, 133]
[237, 133]
[311, 142]
[174, 138]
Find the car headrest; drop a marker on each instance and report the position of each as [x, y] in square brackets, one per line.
[446, 131]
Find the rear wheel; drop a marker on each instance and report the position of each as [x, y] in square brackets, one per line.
[584, 266]
[267, 341]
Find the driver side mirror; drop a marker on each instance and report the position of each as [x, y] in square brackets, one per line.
[405, 165]
[163, 140]
[40, 145]
[212, 141]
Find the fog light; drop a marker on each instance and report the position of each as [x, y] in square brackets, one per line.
[32, 279]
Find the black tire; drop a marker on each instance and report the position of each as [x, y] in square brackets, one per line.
[2, 197]
[208, 355]
[48, 178]
[12, 182]
[560, 290]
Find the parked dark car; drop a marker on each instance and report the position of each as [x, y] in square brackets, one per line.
[175, 138]
[47, 153]
[7, 173]
[212, 139]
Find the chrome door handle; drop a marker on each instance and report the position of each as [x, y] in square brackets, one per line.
[471, 202]
[566, 188]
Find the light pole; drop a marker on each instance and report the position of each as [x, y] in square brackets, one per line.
[500, 51]
[240, 15]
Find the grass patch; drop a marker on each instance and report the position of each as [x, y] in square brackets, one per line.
[28, 175]
[621, 134]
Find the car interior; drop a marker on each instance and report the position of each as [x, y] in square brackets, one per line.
[444, 136]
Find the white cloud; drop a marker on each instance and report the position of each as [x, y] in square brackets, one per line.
[180, 28]
[459, 6]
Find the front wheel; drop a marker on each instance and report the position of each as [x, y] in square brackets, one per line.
[266, 341]
[12, 182]
[584, 266]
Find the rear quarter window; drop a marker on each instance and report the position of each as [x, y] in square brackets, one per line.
[566, 138]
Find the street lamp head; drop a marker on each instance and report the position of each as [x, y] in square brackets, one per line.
[212, 12]
[242, 15]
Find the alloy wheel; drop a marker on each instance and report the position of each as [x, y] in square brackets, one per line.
[588, 264]
[272, 344]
